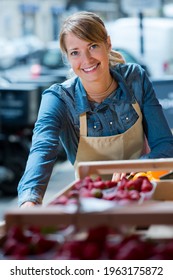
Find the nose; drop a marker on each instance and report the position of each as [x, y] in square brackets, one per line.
[86, 56]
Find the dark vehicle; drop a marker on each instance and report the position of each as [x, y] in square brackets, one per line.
[26, 48]
[46, 63]
[18, 110]
[51, 62]
[19, 104]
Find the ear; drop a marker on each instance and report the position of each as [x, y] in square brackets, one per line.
[109, 44]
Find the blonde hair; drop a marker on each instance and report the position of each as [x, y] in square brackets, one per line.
[89, 27]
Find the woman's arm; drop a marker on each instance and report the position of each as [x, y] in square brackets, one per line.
[157, 131]
[43, 152]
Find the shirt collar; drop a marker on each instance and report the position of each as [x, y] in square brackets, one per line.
[82, 103]
[123, 94]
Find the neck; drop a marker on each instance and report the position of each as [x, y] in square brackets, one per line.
[100, 96]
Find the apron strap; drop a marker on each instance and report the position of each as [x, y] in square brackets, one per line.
[137, 108]
[83, 124]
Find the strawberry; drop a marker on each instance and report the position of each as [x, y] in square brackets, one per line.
[98, 179]
[99, 185]
[17, 233]
[146, 185]
[91, 251]
[122, 183]
[39, 244]
[21, 250]
[84, 192]
[9, 246]
[110, 184]
[81, 184]
[134, 184]
[109, 195]
[131, 250]
[98, 234]
[122, 194]
[134, 195]
[71, 250]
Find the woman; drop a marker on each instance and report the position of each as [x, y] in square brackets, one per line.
[102, 113]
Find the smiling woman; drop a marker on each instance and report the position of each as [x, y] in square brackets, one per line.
[105, 112]
[90, 62]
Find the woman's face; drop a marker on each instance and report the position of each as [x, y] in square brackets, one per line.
[89, 61]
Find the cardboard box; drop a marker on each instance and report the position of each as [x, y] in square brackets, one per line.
[109, 167]
[159, 210]
[146, 214]
[163, 191]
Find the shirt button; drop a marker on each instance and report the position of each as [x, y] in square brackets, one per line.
[94, 126]
[110, 123]
[127, 118]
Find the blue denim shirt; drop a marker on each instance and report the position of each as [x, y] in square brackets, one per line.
[58, 120]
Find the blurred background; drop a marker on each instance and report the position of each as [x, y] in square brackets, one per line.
[30, 61]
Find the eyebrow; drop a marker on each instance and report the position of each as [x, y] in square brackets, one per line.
[74, 49]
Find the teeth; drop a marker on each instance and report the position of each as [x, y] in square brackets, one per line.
[90, 69]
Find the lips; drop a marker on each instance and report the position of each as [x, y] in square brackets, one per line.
[90, 69]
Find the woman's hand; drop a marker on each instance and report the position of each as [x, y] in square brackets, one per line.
[28, 204]
[118, 176]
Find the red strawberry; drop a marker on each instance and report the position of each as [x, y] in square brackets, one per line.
[122, 183]
[85, 193]
[134, 195]
[9, 246]
[21, 250]
[71, 250]
[39, 244]
[134, 184]
[110, 184]
[98, 234]
[80, 184]
[17, 233]
[91, 251]
[122, 194]
[98, 179]
[99, 185]
[109, 195]
[131, 250]
[146, 185]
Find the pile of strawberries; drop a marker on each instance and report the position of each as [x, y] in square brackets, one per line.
[99, 243]
[20, 243]
[96, 244]
[123, 191]
[105, 243]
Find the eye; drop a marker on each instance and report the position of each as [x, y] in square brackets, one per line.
[94, 46]
[74, 53]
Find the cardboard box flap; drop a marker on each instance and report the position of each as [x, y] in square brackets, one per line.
[145, 214]
[109, 167]
[163, 190]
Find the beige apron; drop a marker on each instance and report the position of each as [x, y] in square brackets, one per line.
[127, 145]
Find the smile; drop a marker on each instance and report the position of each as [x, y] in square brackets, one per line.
[90, 68]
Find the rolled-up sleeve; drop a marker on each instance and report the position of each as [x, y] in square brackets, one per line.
[44, 149]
